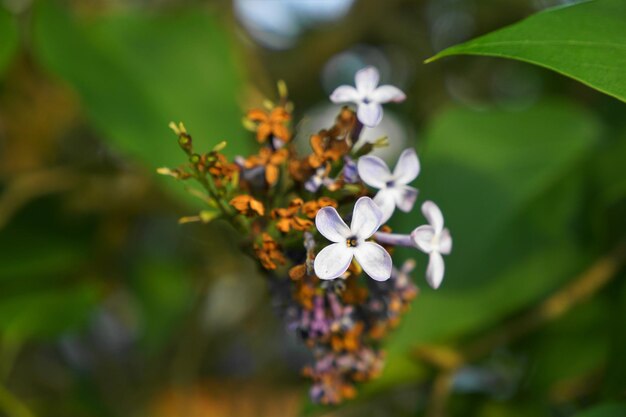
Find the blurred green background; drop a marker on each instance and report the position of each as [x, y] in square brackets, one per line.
[108, 307]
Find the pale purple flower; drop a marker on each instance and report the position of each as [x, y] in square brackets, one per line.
[255, 175]
[402, 276]
[319, 178]
[350, 173]
[316, 180]
[434, 240]
[320, 325]
[368, 96]
[350, 242]
[394, 190]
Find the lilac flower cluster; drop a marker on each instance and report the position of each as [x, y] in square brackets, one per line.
[334, 283]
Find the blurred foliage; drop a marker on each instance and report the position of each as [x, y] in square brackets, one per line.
[154, 64]
[507, 167]
[9, 36]
[604, 410]
[109, 308]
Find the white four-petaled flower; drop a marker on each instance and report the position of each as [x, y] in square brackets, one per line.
[434, 240]
[368, 96]
[394, 189]
[348, 242]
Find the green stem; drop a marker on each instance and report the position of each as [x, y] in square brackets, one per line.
[232, 217]
[210, 188]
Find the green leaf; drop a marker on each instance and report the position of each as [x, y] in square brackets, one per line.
[45, 314]
[508, 183]
[26, 255]
[137, 72]
[583, 334]
[616, 367]
[610, 171]
[42, 264]
[10, 38]
[605, 410]
[585, 41]
[163, 290]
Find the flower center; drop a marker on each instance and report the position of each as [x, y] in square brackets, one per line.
[390, 184]
[435, 241]
[366, 100]
[351, 242]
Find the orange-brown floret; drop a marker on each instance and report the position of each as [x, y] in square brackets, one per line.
[269, 252]
[287, 218]
[270, 124]
[271, 160]
[247, 205]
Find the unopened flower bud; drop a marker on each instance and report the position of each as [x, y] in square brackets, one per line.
[220, 146]
[195, 158]
[169, 172]
[184, 140]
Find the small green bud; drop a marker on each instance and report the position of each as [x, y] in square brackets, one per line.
[184, 141]
[283, 93]
[381, 142]
[352, 188]
[220, 146]
[207, 215]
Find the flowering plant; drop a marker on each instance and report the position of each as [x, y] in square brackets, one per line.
[335, 284]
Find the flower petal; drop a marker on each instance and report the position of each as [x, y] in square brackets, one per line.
[373, 171]
[445, 242]
[405, 197]
[433, 215]
[374, 260]
[366, 80]
[407, 168]
[332, 261]
[423, 238]
[345, 93]
[331, 226]
[385, 199]
[387, 93]
[366, 218]
[435, 270]
[370, 114]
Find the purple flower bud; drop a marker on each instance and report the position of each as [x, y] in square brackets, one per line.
[319, 325]
[350, 171]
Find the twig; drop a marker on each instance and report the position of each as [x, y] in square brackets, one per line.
[440, 394]
[448, 359]
[580, 289]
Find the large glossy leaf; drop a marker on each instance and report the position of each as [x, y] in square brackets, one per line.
[137, 72]
[8, 38]
[585, 41]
